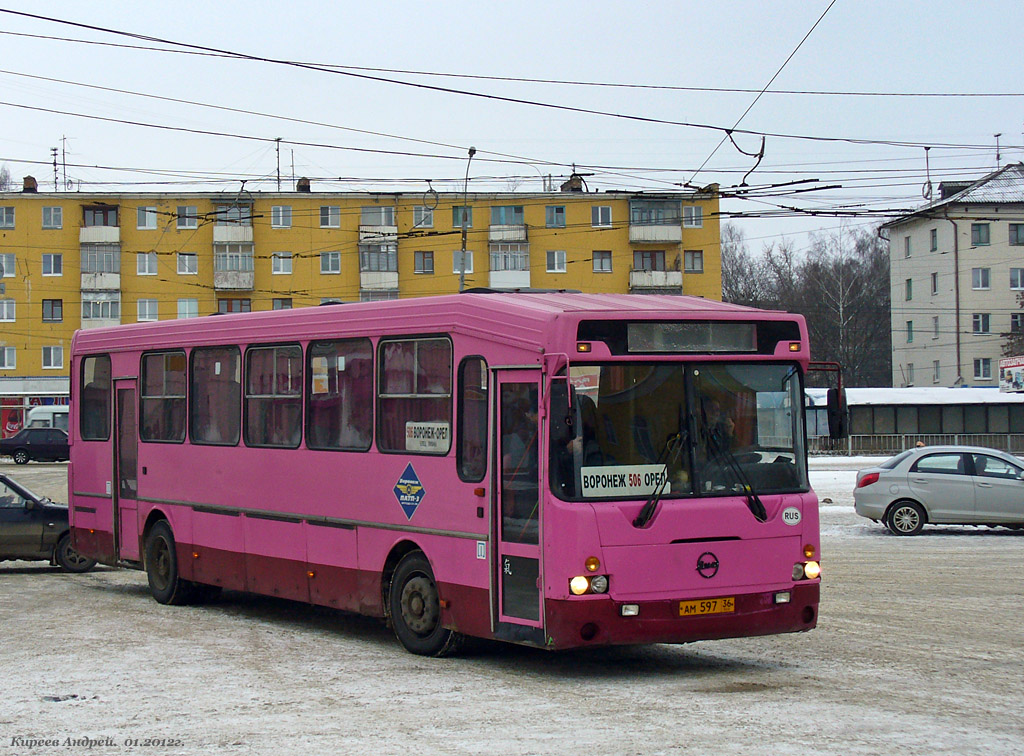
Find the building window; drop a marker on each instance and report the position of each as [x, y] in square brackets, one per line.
[330, 216]
[188, 264]
[935, 326]
[8, 358]
[462, 262]
[282, 303]
[188, 308]
[554, 216]
[281, 216]
[507, 215]
[233, 258]
[1017, 322]
[234, 215]
[935, 283]
[601, 216]
[273, 396]
[1017, 234]
[101, 258]
[460, 213]
[909, 289]
[378, 258]
[906, 246]
[53, 264]
[1017, 279]
[377, 215]
[6, 217]
[330, 262]
[148, 309]
[910, 331]
[377, 295]
[979, 278]
[422, 217]
[934, 240]
[556, 261]
[602, 261]
[7, 310]
[423, 262]
[693, 216]
[910, 373]
[654, 212]
[53, 217]
[693, 261]
[187, 216]
[980, 322]
[234, 305]
[145, 263]
[53, 310]
[146, 218]
[281, 263]
[979, 234]
[935, 371]
[7, 265]
[649, 259]
[983, 369]
[99, 215]
[53, 357]
[101, 306]
[510, 257]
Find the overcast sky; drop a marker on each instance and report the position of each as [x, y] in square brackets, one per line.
[858, 46]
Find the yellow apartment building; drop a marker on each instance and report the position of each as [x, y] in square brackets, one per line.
[87, 260]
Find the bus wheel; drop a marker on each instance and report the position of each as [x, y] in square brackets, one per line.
[416, 609]
[165, 584]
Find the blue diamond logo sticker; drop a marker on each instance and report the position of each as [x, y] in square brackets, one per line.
[409, 491]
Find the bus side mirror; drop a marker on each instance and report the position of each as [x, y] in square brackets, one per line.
[837, 413]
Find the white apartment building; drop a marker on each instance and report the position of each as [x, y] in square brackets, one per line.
[956, 271]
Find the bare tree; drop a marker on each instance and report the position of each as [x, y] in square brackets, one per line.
[1013, 345]
[746, 279]
[5, 179]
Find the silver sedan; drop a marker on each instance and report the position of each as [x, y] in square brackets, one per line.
[943, 485]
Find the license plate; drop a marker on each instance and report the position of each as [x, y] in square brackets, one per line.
[707, 606]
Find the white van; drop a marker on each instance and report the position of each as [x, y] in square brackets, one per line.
[48, 416]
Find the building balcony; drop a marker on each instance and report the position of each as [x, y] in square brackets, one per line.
[99, 235]
[509, 279]
[88, 323]
[232, 234]
[508, 233]
[378, 280]
[234, 280]
[101, 282]
[655, 234]
[655, 282]
[378, 234]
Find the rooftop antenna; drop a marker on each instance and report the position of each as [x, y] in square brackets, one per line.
[56, 177]
[998, 161]
[278, 142]
[926, 190]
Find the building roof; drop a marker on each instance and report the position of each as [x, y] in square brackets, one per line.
[1001, 187]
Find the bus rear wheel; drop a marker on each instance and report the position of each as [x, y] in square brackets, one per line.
[165, 583]
[415, 609]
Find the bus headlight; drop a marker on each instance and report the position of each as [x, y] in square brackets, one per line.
[579, 585]
[599, 584]
[806, 571]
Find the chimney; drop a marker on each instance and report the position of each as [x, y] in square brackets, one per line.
[574, 184]
[302, 185]
[29, 185]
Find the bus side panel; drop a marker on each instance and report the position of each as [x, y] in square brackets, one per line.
[219, 541]
[275, 558]
[332, 557]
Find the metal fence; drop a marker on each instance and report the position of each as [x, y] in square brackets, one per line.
[897, 442]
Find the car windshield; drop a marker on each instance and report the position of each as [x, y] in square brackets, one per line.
[710, 429]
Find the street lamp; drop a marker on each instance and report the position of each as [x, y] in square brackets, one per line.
[465, 200]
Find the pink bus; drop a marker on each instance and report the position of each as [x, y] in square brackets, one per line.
[552, 469]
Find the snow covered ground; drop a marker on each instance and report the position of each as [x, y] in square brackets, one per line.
[917, 651]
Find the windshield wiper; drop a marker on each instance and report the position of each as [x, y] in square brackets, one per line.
[673, 446]
[754, 503]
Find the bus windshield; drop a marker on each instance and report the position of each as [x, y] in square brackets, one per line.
[618, 430]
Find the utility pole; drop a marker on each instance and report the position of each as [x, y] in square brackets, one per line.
[56, 177]
[278, 141]
[465, 202]
[998, 156]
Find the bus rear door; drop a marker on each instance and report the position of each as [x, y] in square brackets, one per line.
[517, 502]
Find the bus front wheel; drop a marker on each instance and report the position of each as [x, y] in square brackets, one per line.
[165, 583]
[415, 609]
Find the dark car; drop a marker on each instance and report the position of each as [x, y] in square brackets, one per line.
[40, 444]
[33, 527]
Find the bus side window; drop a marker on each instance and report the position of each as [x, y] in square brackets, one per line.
[471, 451]
[216, 396]
[273, 396]
[415, 396]
[94, 420]
[340, 398]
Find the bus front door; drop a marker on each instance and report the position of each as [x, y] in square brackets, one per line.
[126, 506]
[517, 502]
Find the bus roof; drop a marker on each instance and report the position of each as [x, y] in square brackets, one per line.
[527, 320]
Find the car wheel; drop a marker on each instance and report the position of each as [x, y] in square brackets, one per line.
[165, 583]
[416, 609]
[905, 518]
[20, 457]
[69, 559]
